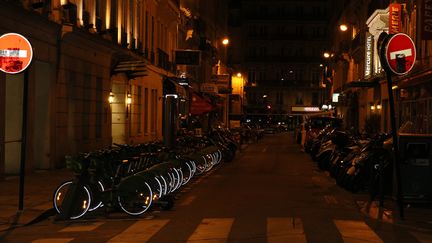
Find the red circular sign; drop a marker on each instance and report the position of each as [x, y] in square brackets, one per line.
[16, 53]
[400, 53]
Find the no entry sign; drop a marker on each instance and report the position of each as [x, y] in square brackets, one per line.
[16, 53]
[400, 53]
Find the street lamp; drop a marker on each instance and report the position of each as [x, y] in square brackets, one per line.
[225, 41]
[343, 27]
[326, 54]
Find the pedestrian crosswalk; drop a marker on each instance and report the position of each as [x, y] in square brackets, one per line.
[285, 230]
[140, 231]
[278, 230]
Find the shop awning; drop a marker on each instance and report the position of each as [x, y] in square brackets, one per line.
[200, 104]
[170, 86]
[360, 84]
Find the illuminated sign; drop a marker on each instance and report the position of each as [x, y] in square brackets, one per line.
[335, 97]
[368, 54]
[395, 10]
[305, 108]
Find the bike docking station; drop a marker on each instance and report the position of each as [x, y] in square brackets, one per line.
[397, 57]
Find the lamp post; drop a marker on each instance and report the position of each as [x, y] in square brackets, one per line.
[225, 43]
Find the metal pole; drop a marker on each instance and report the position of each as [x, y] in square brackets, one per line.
[23, 143]
[170, 114]
[395, 146]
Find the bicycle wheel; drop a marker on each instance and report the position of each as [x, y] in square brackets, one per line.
[135, 201]
[80, 196]
[96, 194]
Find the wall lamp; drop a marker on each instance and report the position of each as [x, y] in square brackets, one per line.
[129, 99]
[111, 97]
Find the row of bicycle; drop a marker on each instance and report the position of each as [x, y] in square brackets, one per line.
[357, 162]
[134, 178]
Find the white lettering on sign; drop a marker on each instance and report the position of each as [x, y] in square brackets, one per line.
[311, 109]
[13, 53]
[368, 68]
[406, 53]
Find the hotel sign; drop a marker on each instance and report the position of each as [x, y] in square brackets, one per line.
[426, 19]
[369, 55]
[305, 109]
[395, 10]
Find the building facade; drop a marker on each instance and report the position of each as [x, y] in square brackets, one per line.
[97, 77]
[280, 53]
[360, 78]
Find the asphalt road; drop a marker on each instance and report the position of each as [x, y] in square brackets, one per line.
[271, 192]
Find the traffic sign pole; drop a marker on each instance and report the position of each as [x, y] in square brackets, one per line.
[399, 198]
[16, 54]
[23, 143]
[397, 56]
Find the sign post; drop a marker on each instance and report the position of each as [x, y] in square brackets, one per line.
[397, 55]
[16, 54]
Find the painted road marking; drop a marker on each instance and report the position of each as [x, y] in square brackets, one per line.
[212, 230]
[83, 227]
[285, 230]
[53, 240]
[141, 231]
[354, 231]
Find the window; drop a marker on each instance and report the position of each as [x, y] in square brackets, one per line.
[86, 107]
[251, 76]
[153, 111]
[99, 107]
[315, 99]
[262, 75]
[146, 109]
[139, 109]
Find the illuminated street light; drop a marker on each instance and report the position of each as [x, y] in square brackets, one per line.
[225, 41]
[343, 27]
[326, 54]
[239, 75]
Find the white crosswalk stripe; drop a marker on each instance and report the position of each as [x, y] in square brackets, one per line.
[355, 231]
[83, 227]
[53, 240]
[212, 230]
[278, 230]
[140, 231]
[285, 230]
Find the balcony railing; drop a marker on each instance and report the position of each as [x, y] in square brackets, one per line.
[163, 61]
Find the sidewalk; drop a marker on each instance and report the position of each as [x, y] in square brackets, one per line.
[38, 190]
[416, 217]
